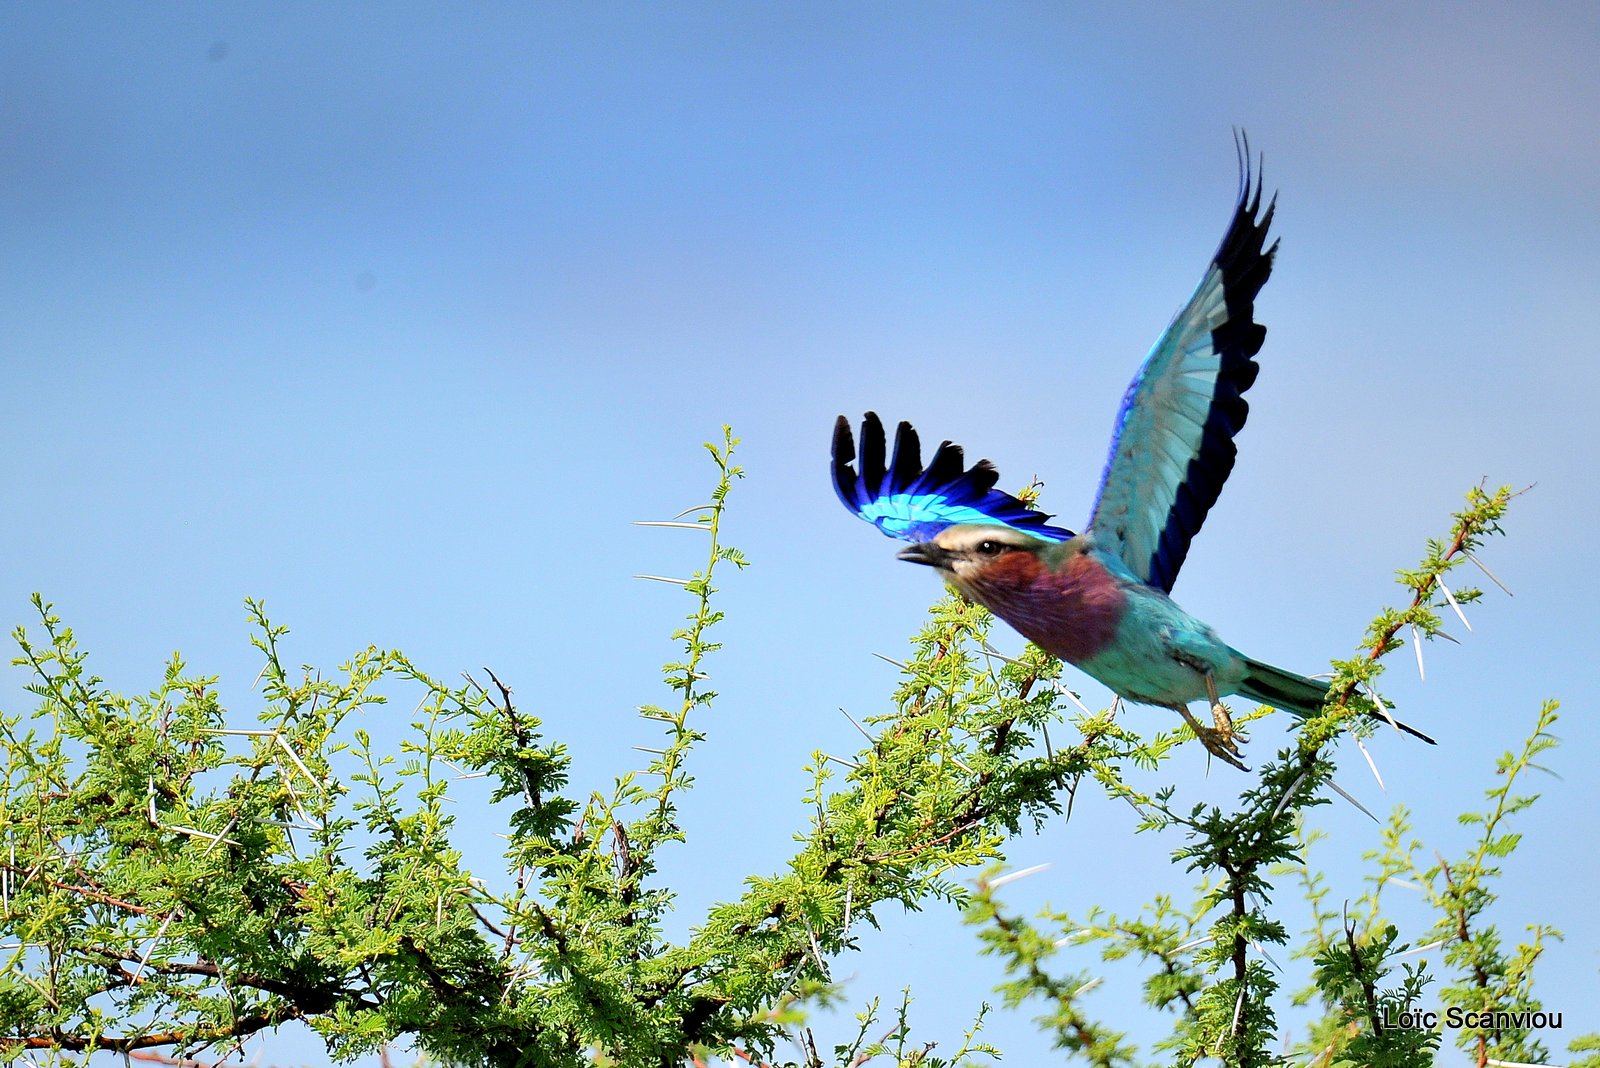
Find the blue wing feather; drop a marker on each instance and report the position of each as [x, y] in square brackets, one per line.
[914, 503]
[1172, 447]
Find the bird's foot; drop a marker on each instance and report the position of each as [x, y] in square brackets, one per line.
[1219, 740]
[1224, 721]
[1221, 744]
[1225, 733]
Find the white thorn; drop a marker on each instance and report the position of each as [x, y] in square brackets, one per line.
[295, 798]
[816, 950]
[1383, 709]
[1452, 599]
[1492, 576]
[1011, 877]
[1405, 884]
[663, 578]
[1362, 746]
[193, 833]
[283, 743]
[1416, 644]
[896, 663]
[1259, 948]
[998, 655]
[151, 948]
[1289, 793]
[1086, 987]
[681, 526]
[1073, 698]
[1339, 790]
[857, 726]
[1421, 949]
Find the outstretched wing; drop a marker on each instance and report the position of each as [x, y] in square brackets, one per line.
[1172, 447]
[907, 501]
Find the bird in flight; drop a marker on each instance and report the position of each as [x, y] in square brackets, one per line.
[1099, 600]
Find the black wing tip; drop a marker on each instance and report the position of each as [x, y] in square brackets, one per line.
[1245, 260]
[1252, 187]
[844, 442]
[844, 454]
[905, 432]
[1244, 257]
[906, 466]
[945, 472]
[949, 462]
[1251, 179]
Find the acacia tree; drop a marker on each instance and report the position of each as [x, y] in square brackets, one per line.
[174, 879]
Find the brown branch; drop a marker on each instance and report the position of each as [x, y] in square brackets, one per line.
[519, 734]
[487, 923]
[89, 892]
[1468, 529]
[1082, 1031]
[1368, 992]
[174, 1062]
[244, 1025]
[918, 847]
[1480, 977]
[309, 999]
[1241, 945]
[1166, 962]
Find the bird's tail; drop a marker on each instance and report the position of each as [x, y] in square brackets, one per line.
[1297, 694]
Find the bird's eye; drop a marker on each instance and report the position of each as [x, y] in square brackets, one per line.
[990, 548]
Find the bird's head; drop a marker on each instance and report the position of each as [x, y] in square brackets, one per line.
[986, 562]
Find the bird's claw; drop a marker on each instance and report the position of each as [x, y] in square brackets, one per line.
[1220, 744]
[1219, 740]
[1219, 713]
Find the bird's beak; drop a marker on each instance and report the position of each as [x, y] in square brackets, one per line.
[925, 553]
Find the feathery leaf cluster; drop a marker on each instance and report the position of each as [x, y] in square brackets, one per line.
[174, 878]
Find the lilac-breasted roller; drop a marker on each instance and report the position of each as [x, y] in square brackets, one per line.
[1099, 600]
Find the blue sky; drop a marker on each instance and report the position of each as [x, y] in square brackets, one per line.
[396, 316]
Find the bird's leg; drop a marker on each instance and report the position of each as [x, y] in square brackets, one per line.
[1217, 740]
[1219, 711]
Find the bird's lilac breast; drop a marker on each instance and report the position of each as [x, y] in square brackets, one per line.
[1071, 613]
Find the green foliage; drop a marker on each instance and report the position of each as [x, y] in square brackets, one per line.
[172, 879]
[1210, 960]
